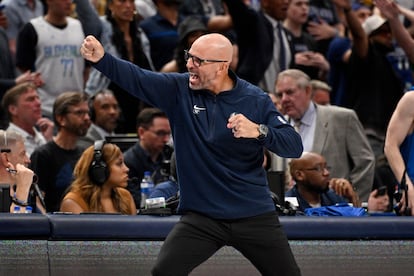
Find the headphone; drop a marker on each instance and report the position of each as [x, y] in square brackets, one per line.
[284, 209]
[98, 170]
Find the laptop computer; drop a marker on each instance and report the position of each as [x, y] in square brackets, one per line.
[276, 181]
[5, 199]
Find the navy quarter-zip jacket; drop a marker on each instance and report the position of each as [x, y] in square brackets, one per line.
[219, 175]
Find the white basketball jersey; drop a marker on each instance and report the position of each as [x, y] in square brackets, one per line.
[58, 59]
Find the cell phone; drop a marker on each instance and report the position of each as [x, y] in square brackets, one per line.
[382, 191]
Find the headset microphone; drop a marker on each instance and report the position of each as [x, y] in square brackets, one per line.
[38, 191]
[39, 195]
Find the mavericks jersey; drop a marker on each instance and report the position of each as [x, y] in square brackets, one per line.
[407, 152]
[58, 59]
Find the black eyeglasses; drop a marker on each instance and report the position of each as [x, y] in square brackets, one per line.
[198, 61]
[319, 168]
[79, 113]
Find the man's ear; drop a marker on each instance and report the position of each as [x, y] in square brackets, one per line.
[12, 109]
[299, 175]
[224, 67]
[4, 160]
[61, 119]
[308, 91]
[140, 131]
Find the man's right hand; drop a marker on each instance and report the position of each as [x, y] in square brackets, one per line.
[46, 126]
[91, 49]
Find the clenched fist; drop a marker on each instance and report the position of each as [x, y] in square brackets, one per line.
[91, 49]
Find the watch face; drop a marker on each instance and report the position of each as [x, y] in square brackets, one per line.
[263, 130]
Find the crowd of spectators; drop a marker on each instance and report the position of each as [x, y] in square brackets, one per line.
[335, 69]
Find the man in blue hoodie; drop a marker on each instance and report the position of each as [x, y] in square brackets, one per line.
[220, 124]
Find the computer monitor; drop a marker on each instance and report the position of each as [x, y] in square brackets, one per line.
[123, 141]
[276, 181]
[5, 199]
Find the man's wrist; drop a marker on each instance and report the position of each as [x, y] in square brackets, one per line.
[263, 131]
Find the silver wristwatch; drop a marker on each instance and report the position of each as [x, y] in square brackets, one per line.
[263, 131]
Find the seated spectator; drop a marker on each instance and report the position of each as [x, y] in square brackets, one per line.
[332, 131]
[54, 161]
[154, 133]
[169, 188]
[100, 180]
[104, 113]
[321, 92]
[23, 107]
[314, 187]
[14, 171]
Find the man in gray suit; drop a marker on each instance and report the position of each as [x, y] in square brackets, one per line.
[104, 113]
[334, 132]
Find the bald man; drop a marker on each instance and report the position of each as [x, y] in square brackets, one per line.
[314, 187]
[220, 125]
[312, 178]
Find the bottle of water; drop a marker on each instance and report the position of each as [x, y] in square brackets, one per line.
[16, 209]
[150, 184]
[147, 186]
[28, 210]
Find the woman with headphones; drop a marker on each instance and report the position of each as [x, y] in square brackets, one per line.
[101, 177]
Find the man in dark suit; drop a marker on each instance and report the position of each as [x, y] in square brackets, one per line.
[331, 131]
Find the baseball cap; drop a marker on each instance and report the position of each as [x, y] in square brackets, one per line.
[373, 23]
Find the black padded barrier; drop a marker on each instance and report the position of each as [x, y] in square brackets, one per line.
[92, 244]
